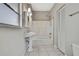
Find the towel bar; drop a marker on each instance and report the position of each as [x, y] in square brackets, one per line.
[74, 13]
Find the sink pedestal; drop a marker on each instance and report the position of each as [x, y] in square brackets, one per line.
[30, 44]
[30, 36]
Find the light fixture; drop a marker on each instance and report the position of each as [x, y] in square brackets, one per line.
[29, 10]
[29, 13]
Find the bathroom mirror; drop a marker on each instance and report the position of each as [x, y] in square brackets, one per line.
[9, 14]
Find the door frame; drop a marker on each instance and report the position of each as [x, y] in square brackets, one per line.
[58, 26]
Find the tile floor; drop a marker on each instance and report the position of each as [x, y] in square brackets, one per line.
[44, 47]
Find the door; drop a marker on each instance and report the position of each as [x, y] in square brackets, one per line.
[61, 29]
[41, 28]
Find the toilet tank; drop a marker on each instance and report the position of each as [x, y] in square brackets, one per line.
[75, 48]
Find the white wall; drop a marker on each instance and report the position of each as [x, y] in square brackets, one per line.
[12, 42]
[71, 26]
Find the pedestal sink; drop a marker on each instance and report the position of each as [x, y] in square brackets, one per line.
[30, 35]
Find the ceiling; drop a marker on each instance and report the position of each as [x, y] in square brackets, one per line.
[42, 6]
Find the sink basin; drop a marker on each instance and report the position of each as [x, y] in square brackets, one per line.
[30, 34]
